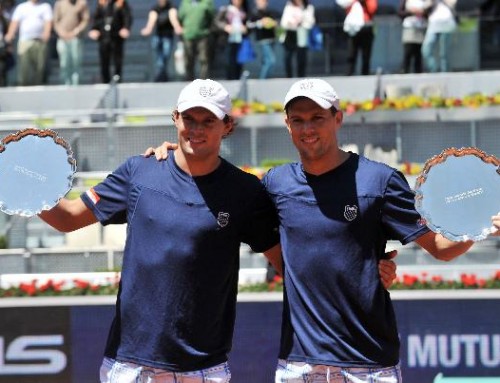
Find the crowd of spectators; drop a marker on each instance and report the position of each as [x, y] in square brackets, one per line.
[203, 30]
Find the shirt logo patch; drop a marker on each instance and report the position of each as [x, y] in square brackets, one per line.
[350, 212]
[94, 197]
[223, 219]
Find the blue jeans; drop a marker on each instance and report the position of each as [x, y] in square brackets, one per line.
[162, 48]
[113, 371]
[268, 58]
[428, 46]
[70, 60]
[299, 372]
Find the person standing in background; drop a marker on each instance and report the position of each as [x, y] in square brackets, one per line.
[441, 24]
[297, 20]
[196, 18]
[414, 15]
[71, 18]
[5, 48]
[361, 34]
[162, 18]
[232, 20]
[111, 25]
[33, 19]
[263, 22]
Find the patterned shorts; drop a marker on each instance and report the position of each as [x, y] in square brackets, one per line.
[299, 372]
[113, 371]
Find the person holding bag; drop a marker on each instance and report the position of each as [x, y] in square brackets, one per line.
[358, 24]
[297, 20]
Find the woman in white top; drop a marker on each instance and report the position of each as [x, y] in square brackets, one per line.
[297, 20]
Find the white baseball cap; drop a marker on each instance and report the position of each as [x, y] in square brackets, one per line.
[321, 92]
[208, 94]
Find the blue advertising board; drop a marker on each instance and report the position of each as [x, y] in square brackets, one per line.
[445, 340]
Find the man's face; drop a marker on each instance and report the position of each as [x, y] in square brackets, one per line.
[313, 129]
[200, 132]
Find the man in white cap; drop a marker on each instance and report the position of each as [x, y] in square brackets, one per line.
[186, 217]
[338, 321]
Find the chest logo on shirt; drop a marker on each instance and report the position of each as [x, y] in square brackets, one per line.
[223, 219]
[350, 212]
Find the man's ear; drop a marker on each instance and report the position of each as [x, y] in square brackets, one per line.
[287, 125]
[228, 128]
[339, 117]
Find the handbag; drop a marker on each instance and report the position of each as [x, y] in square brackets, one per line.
[246, 53]
[355, 19]
[315, 42]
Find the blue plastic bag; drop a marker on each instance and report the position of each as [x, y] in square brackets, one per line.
[315, 38]
[246, 52]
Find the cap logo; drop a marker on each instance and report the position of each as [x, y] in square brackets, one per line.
[306, 85]
[206, 91]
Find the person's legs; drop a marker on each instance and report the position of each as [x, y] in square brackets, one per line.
[417, 57]
[63, 51]
[118, 46]
[203, 47]
[76, 53]
[301, 62]
[352, 52]
[113, 371]
[428, 50]
[162, 48]
[365, 42]
[268, 59]
[104, 60]
[190, 54]
[289, 53]
[39, 60]
[407, 56]
[444, 39]
[299, 372]
[233, 69]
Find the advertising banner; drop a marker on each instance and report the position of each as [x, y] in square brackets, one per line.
[442, 341]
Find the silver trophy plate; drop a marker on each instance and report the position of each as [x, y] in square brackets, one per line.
[36, 170]
[458, 192]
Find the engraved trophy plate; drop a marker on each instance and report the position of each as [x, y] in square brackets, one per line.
[36, 170]
[457, 193]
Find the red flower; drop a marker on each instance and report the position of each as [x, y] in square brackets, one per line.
[81, 284]
[409, 280]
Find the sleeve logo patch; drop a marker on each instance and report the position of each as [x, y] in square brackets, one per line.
[94, 197]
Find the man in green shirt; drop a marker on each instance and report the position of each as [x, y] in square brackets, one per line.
[196, 17]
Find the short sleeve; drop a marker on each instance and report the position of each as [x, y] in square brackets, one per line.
[109, 199]
[400, 219]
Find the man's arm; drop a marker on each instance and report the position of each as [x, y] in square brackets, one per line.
[445, 250]
[274, 257]
[68, 215]
[442, 248]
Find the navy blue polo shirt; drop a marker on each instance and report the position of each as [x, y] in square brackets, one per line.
[176, 303]
[334, 228]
